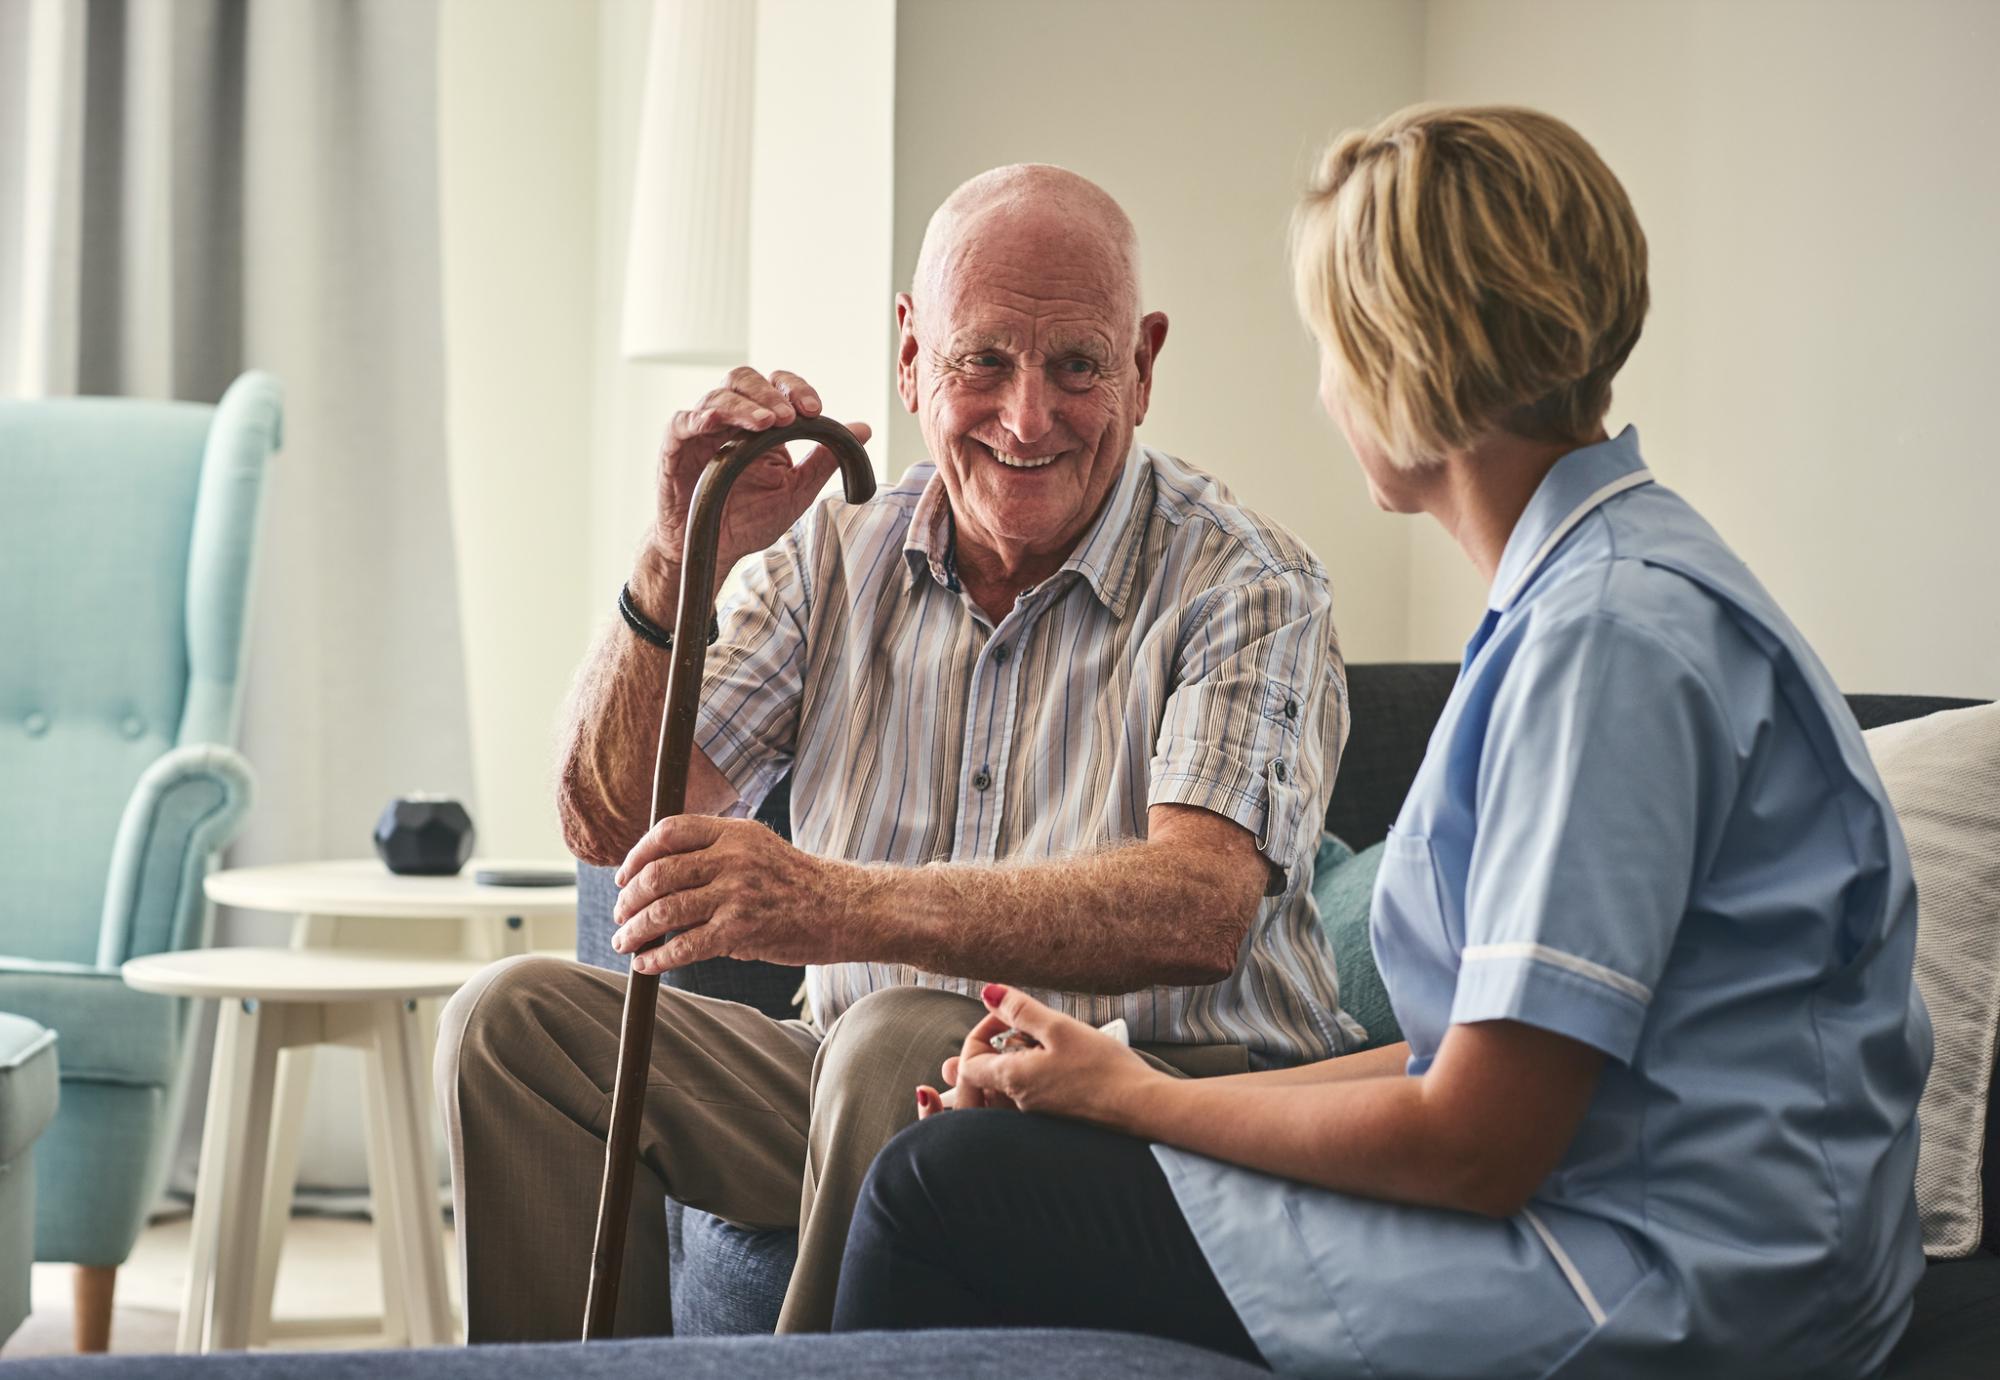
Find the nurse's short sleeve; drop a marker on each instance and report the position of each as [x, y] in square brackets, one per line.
[752, 682]
[1255, 723]
[1606, 763]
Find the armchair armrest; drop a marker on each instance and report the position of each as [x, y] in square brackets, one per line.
[185, 807]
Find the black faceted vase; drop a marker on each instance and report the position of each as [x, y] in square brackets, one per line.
[424, 836]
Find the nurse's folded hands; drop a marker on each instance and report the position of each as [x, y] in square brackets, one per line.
[1070, 1070]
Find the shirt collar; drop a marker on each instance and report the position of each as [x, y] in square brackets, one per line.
[1106, 557]
[1574, 488]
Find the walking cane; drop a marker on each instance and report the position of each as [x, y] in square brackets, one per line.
[670, 773]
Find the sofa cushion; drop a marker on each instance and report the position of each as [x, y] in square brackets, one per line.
[1943, 776]
[1011, 1355]
[110, 1033]
[27, 1084]
[1344, 889]
[728, 1281]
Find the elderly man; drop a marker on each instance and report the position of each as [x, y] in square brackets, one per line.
[1059, 713]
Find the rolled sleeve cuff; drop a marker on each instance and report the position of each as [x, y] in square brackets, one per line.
[1552, 990]
[750, 770]
[1272, 814]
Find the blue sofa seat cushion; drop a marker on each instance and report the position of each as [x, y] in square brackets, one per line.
[1028, 1354]
[27, 1084]
[740, 1285]
[111, 1034]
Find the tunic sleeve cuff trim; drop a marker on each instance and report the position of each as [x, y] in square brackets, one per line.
[1582, 967]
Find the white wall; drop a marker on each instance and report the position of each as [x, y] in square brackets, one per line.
[517, 126]
[1820, 185]
[1200, 118]
[822, 202]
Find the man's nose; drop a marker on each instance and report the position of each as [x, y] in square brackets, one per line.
[1026, 411]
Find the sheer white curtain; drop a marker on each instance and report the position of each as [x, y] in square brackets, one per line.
[189, 189]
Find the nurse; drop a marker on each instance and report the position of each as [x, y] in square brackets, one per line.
[1646, 917]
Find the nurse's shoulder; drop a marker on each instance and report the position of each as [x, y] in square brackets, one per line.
[1646, 584]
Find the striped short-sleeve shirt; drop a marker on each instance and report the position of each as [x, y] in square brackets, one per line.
[1185, 653]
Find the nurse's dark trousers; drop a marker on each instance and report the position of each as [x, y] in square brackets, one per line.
[999, 1219]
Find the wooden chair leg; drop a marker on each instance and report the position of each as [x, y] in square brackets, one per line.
[94, 1286]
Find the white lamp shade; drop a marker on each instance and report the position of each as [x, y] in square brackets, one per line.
[687, 297]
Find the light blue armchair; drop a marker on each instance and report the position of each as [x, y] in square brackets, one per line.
[127, 531]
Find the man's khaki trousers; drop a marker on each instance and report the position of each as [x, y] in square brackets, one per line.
[760, 1122]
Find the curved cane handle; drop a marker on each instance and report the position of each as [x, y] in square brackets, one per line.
[670, 773]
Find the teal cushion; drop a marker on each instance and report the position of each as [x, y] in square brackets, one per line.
[1344, 887]
[110, 1032]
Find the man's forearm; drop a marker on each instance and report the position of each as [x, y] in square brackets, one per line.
[1146, 914]
[605, 793]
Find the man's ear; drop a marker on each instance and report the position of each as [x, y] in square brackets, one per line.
[1152, 340]
[906, 351]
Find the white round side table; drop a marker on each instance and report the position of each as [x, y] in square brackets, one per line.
[358, 903]
[495, 919]
[279, 999]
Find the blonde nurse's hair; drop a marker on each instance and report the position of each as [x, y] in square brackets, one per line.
[1469, 268]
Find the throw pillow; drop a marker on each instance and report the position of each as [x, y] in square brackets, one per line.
[1344, 887]
[1943, 775]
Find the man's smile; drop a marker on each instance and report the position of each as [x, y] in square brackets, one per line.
[1021, 462]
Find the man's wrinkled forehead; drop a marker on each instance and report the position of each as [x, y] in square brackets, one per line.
[1021, 276]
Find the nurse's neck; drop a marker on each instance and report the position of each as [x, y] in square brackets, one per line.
[1479, 493]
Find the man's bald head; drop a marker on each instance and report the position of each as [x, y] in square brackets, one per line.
[1022, 351]
[1031, 202]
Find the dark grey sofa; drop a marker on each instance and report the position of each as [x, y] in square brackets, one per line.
[729, 1281]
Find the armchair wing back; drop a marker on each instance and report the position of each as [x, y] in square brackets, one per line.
[127, 535]
[125, 543]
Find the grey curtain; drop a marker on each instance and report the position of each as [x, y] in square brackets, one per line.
[195, 187]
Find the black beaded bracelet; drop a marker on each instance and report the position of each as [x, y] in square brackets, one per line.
[660, 637]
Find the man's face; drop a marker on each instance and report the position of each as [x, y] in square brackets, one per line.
[1029, 369]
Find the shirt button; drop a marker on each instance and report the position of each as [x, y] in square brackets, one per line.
[36, 724]
[1291, 709]
[1278, 769]
[981, 779]
[132, 726]
[1001, 653]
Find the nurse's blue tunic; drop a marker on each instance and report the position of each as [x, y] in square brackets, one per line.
[1647, 822]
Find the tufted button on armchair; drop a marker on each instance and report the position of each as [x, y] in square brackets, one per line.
[127, 531]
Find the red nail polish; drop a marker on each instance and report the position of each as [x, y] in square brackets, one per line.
[992, 993]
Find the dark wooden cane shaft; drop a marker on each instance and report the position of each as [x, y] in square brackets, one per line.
[670, 774]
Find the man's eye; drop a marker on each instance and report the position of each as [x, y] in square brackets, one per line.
[984, 361]
[1076, 368]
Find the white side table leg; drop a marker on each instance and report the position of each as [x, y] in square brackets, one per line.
[419, 1042]
[226, 1080]
[232, 1177]
[281, 1181]
[419, 1234]
[384, 1204]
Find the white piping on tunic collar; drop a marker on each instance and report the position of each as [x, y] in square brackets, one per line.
[1642, 475]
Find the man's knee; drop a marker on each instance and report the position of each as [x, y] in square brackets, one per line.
[899, 1036]
[496, 1011]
